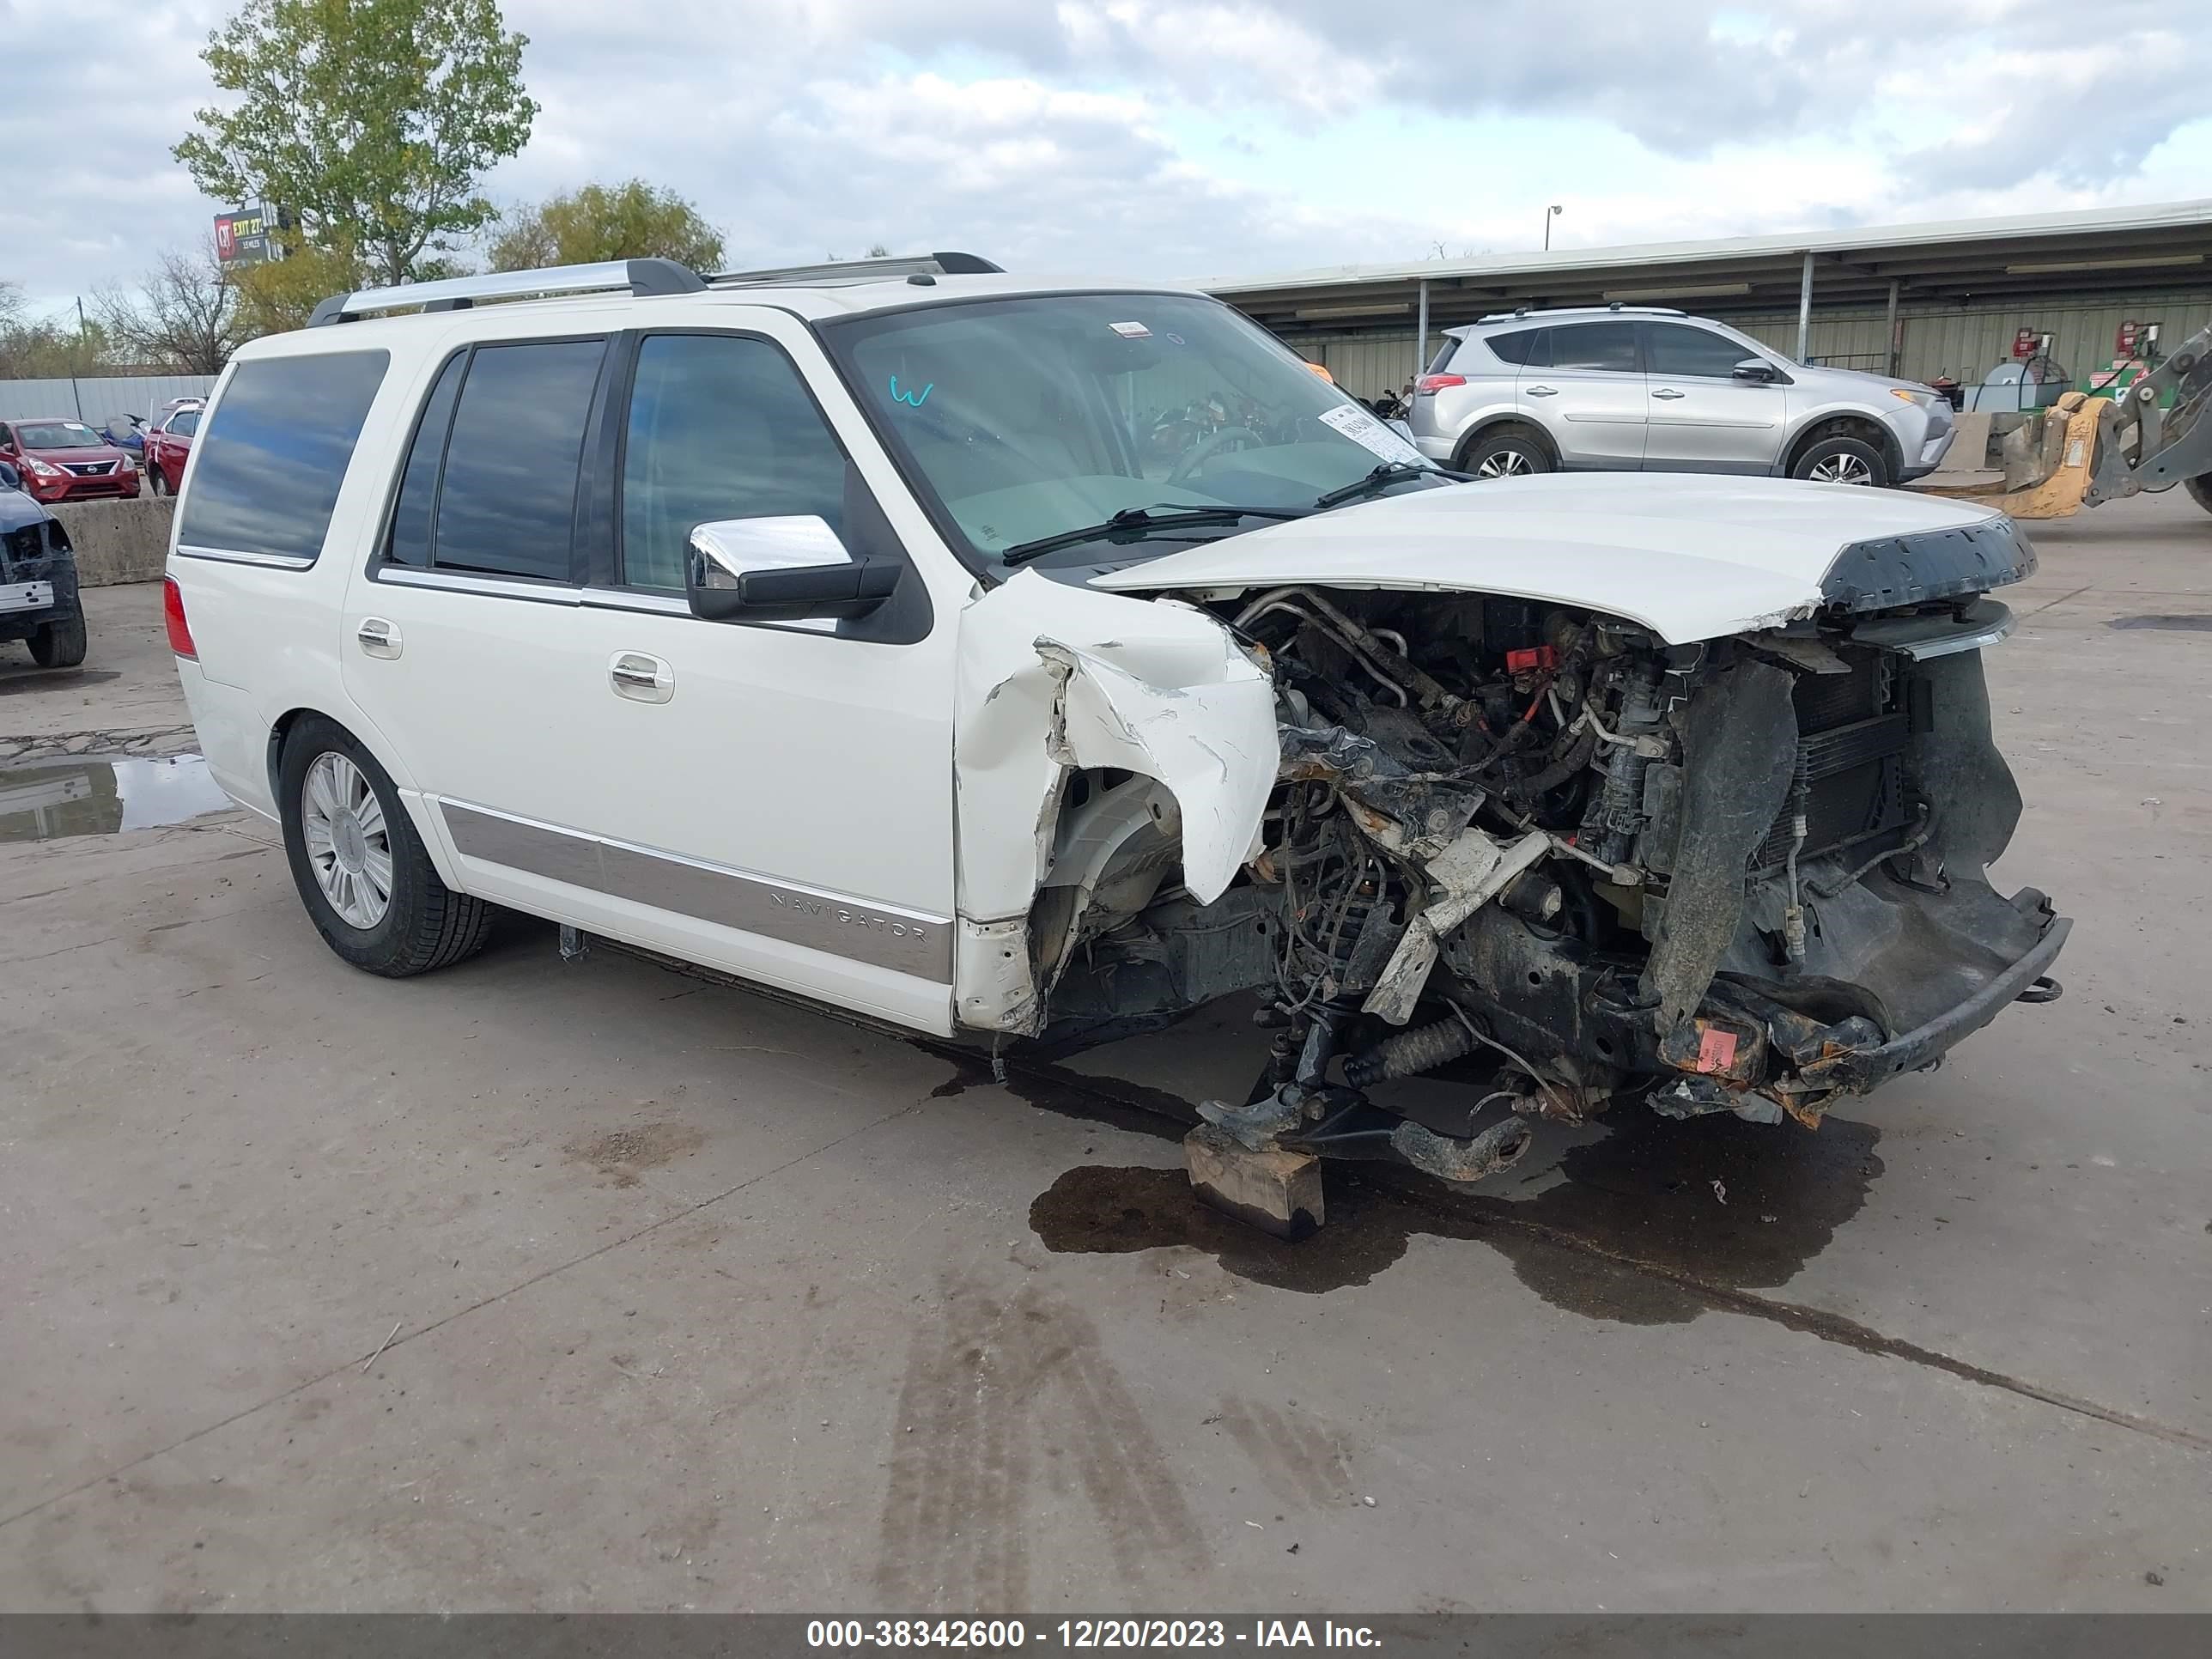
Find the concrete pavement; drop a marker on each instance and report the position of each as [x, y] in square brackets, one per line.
[704, 1300]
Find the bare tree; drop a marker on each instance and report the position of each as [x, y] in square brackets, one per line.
[183, 317]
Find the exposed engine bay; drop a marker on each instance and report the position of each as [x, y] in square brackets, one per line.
[1542, 849]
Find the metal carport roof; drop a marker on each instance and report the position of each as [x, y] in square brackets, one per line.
[2165, 246]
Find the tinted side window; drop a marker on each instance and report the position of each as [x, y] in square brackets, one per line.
[267, 476]
[1514, 347]
[409, 541]
[186, 423]
[720, 428]
[1594, 345]
[1442, 360]
[1678, 350]
[508, 501]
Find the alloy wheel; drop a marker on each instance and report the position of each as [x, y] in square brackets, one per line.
[349, 843]
[1503, 464]
[1842, 468]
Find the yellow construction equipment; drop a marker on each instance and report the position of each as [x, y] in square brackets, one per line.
[2084, 451]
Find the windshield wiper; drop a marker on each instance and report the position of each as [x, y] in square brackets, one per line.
[1141, 520]
[1381, 478]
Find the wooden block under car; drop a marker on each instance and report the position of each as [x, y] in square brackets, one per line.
[1278, 1192]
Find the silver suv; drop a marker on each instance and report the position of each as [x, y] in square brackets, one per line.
[1630, 388]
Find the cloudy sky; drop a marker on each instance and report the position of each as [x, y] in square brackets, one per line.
[1195, 138]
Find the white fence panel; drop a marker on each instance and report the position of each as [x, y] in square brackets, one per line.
[98, 398]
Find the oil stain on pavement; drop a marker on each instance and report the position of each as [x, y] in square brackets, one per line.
[1633, 1229]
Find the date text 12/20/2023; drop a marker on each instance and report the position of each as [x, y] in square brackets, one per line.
[988, 1634]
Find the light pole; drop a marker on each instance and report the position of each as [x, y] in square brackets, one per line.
[1550, 213]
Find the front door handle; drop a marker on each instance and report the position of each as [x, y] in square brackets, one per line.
[640, 677]
[1543, 391]
[378, 637]
[1668, 391]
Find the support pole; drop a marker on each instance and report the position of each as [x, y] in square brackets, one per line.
[1421, 350]
[1896, 339]
[1805, 309]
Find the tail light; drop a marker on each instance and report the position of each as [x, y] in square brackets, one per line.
[1438, 382]
[173, 615]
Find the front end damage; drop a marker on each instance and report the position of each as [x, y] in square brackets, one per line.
[1528, 847]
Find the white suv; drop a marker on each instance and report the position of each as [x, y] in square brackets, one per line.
[1629, 388]
[998, 659]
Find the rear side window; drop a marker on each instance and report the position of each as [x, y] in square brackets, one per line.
[409, 540]
[721, 427]
[507, 499]
[1442, 360]
[1677, 349]
[1518, 347]
[1594, 345]
[266, 476]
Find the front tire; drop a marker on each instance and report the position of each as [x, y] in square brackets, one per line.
[2200, 491]
[1507, 454]
[360, 864]
[1845, 461]
[154, 479]
[59, 644]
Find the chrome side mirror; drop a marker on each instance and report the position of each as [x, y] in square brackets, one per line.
[780, 570]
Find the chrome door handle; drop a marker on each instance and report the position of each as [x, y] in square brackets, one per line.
[1543, 391]
[1667, 392]
[378, 637]
[642, 678]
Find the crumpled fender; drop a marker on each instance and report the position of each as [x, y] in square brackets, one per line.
[1056, 677]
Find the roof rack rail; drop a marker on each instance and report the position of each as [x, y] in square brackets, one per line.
[861, 270]
[1520, 312]
[640, 276]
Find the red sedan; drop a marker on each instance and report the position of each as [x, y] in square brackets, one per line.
[169, 443]
[64, 460]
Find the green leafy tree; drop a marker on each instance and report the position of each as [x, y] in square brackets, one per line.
[370, 121]
[631, 220]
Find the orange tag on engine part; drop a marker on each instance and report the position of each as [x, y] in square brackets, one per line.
[1716, 1049]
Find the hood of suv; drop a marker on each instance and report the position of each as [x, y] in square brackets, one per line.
[1690, 557]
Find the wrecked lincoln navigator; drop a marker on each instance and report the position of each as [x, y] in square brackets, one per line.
[1019, 662]
[1659, 788]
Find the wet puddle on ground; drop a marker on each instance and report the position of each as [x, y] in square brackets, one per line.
[2185, 623]
[1629, 1228]
[98, 798]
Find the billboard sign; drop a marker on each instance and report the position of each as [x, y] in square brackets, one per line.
[242, 238]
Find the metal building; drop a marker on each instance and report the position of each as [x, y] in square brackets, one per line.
[1918, 300]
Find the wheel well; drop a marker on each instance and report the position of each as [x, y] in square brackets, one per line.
[1865, 429]
[1504, 423]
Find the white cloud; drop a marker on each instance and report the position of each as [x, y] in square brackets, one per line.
[1159, 138]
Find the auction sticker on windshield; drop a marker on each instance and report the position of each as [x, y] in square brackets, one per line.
[1364, 429]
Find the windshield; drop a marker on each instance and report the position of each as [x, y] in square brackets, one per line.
[1023, 419]
[58, 434]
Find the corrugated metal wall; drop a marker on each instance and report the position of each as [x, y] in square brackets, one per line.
[1964, 342]
[98, 399]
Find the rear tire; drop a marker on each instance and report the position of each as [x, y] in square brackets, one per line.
[1509, 454]
[2199, 489]
[1843, 460]
[416, 923]
[59, 644]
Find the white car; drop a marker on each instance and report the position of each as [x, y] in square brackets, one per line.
[1007, 661]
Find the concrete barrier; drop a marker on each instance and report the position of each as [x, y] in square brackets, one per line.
[118, 541]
